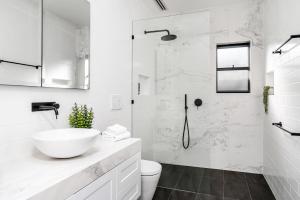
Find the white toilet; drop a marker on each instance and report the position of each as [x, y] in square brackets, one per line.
[150, 176]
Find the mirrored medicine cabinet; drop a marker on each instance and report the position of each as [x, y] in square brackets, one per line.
[45, 43]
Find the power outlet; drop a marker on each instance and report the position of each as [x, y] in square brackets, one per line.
[116, 102]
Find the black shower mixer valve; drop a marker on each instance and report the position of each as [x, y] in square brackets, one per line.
[198, 103]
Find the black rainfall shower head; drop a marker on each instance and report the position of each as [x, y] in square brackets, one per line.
[167, 37]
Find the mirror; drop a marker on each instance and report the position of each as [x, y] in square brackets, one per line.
[66, 44]
[45, 43]
[20, 40]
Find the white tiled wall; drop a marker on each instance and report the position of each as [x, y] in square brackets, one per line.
[281, 151]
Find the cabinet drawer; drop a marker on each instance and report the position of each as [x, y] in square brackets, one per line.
[129, 178]
[103, 188]
[122, 183]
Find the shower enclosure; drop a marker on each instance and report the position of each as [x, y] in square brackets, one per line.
[172, 61]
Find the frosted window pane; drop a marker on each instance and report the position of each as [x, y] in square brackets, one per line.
[237, 56]
[233, 80]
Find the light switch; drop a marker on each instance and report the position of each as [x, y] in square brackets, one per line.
[116, 102]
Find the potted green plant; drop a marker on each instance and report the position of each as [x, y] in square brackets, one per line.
[81, 117]
[266, 93]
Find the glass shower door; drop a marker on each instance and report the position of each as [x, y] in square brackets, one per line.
[143, 92]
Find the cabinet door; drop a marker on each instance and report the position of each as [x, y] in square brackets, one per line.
[129, 179]
[103, 188]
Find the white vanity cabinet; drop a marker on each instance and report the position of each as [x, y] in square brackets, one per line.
[120, 183]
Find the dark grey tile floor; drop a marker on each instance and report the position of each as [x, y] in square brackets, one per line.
[192, 183]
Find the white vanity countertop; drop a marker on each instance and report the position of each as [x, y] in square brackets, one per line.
[40, 177]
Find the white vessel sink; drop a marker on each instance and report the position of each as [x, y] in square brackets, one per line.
[65, 143]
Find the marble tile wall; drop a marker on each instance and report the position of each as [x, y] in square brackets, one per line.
[227, 131]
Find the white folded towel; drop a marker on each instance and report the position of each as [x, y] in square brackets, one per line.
[116, 129]
[114, 133]
[116, 137]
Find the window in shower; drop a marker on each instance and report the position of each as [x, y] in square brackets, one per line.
[233, 66]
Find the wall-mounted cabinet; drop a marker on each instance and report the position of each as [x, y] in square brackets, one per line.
[20, 39]
[45, 43]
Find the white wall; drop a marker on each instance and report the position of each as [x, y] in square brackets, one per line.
[227, 131]
[281, 151]
[110, 74]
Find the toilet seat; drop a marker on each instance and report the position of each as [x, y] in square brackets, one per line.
[150, 168]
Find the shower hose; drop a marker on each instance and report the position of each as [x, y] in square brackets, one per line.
[186, 126]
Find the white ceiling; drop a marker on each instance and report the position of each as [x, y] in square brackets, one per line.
[192, 5]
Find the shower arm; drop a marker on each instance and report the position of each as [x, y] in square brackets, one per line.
[157, 31]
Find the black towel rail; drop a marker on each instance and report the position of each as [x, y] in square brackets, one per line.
[279, 50]
[279, 125]
[17, 63]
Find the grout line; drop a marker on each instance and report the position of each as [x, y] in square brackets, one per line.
[177, 189]
[169, 197]
[223, 184]
[179, 178]
[202, 177]
[247, 186]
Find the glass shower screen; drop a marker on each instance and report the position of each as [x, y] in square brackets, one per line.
[163, 72]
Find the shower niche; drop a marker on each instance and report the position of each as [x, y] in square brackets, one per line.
[144, 87]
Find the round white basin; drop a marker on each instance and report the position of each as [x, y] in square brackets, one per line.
[65, 143]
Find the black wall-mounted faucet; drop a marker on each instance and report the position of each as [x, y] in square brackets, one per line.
[45, 106]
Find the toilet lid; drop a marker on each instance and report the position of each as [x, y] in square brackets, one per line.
[150, 168]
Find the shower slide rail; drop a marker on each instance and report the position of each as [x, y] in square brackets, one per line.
[17, 63]
[280, 126]
[279, 50]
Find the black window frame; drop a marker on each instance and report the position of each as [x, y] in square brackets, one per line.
[233, 45]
